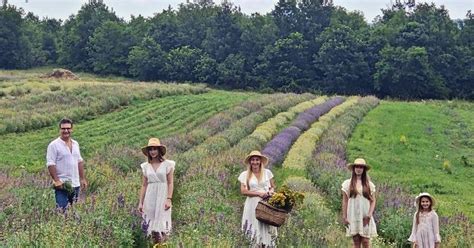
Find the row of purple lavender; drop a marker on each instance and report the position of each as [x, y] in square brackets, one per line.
[276, 149]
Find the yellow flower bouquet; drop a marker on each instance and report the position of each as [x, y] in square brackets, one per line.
[286, 199]
[275, 211]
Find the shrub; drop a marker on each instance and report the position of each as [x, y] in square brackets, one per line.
[17, 91]
[54, 87]
[395, 225]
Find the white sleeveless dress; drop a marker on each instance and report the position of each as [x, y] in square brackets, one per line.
[154, 213]
[259, 233]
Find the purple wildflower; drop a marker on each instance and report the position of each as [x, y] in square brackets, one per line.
[145, 225]
[77, 217]
[201, 211]
[121, 201]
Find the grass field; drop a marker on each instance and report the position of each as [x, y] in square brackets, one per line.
[422, 146]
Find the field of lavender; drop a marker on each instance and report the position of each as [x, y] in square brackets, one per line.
[308, 139]
[30, 101]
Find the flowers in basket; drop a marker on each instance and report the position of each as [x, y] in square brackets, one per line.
[286, 199]
[274, 211]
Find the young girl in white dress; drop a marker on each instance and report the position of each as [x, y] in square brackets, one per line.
[425, 230]
[358, 204]
[256, 183]
[157, 191]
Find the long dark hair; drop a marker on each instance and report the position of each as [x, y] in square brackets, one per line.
[161, 158]
[365, 185]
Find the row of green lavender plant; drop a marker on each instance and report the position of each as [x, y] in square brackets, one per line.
[236, 131]
[330, 152]
[211, 208]
[312, 224]
[394, 209]
[80, 100]
[300, 154]
[180, 143]
[130, 127]
[276, 149]
[217, 123]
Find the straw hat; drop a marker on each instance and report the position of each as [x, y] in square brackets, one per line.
[263, 158]
[418, 199]
[154, 142]
[358, 161]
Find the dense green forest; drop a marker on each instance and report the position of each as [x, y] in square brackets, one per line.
[408, 52]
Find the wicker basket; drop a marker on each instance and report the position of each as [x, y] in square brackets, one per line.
[270, 215]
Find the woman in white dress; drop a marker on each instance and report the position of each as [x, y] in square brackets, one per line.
[358, 204]
[256, 183]
[157, 191]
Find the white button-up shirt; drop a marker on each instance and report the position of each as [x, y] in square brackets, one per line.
[66, 161]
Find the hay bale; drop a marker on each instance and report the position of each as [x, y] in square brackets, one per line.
[62, 74]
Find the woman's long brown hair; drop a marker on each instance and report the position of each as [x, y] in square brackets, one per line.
[365, 185]
[419, 208]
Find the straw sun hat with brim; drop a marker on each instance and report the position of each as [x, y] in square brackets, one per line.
[154, 142]
[263, 158]
[358, 161]
[418, 199]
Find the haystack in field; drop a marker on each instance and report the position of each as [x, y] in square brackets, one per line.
[62, 74]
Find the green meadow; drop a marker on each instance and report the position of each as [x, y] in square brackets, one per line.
[422, 147]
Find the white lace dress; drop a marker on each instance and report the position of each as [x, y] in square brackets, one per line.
[259, 233]
[154, 213]
[426, 233]
[357, 208]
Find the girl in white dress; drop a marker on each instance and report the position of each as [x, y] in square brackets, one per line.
[256, 183]
[358, 204]
[425, 230]
[157, 191]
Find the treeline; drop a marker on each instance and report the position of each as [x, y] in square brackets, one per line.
[304, 45]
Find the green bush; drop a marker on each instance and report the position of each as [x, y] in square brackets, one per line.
[395, 226]
[54, 87]
[18, 91]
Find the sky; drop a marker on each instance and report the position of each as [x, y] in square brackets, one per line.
[62, 9]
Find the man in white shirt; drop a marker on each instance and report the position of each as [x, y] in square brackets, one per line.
[65, 164]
